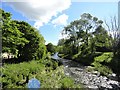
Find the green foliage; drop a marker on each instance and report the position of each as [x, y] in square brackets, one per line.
[67, 82]
[85, 35]
[102, 39]
[115, 65]
[90, 69]
[76, 56]
[61, 42]
[36, 48]
[51, 48]
[105, 57]
[104, 70]
[23, 72]
[118, 48]
[60, 49]
[48, 55]
[49, 63]
[11, 36]
[21, 39]
[102, 62]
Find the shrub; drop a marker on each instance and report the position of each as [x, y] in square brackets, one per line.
[102, 63]
[104, 70]
[105, 57]
[17, 75]
[67, 82]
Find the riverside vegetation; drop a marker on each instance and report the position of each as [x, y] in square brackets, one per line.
[87, 42]
[91, 44]
[31, 57]
[50, 76]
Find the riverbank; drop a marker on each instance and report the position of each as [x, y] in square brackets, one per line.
[91, 80]
[46, 71]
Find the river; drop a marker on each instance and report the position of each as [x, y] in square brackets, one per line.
[89, 79]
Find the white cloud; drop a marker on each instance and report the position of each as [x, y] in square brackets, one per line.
[41, 11]
[61, 20]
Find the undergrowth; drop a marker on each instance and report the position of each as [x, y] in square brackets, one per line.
[46, 71]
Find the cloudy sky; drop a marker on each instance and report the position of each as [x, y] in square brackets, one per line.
[50, 16]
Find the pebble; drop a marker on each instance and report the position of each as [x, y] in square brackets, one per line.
[67, 74]
[91, 79]
[66, 66]
[91, 86]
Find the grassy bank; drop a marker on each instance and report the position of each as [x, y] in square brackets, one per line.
[46, 71]
[100, 61]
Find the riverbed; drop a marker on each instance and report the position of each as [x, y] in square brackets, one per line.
[89, 79]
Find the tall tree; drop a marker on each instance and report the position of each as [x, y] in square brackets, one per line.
[79, 31]
[11, 36]
[51, 48]
[102, 39]
[21, 39]
[35, 49]
[114, 31]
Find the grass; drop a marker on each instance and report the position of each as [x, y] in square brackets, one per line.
[105, 57]
[46, 71]
[101, 63]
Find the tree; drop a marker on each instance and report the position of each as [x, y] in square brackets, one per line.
[21, 39]
[35, 49]
[61, 42]
[11, 36]
[118, 48]
[51, 48]
[102, 39]
[114, 30]
[0, 35]
[80, 33]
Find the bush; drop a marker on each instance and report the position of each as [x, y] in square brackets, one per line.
[102, 63]
[67, 82]
[105, 57]
[17, 75]
[104, 70]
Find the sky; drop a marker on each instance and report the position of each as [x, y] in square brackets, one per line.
[51, 16]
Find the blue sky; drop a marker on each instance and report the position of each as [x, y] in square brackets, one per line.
[51, 31]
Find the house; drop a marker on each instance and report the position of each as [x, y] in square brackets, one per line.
[7, 55]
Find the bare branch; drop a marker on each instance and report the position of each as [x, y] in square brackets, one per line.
[109, 30]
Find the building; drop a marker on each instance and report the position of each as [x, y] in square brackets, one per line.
[7, 55]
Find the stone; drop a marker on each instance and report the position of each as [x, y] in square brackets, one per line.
[78, 69]
[66, 66]
[95, 72]
[113, 74]
[90, 79]
[103, 84]
[92, 87]
[113, 82]
[105, 78]
[109, 86]
[67, 74]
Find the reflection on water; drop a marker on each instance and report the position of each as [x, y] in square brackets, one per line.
[55, 56]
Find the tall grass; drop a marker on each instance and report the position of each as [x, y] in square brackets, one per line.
[46, 71]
